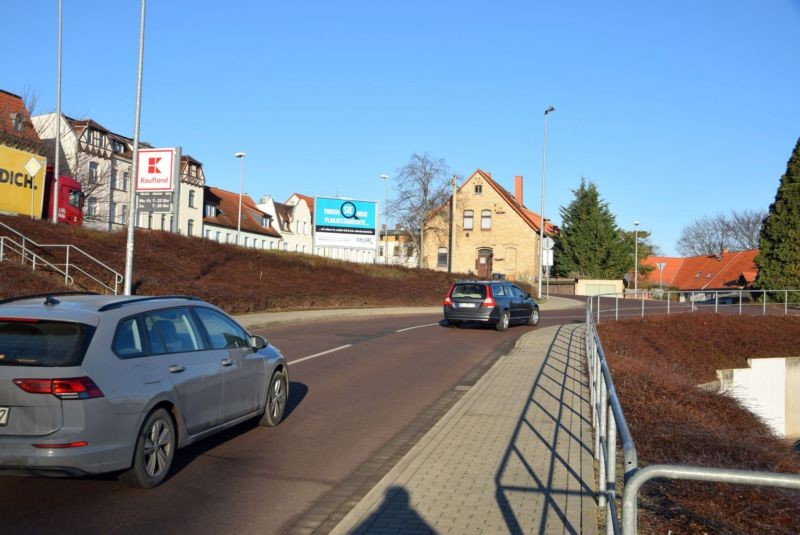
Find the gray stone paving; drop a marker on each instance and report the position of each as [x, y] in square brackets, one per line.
[512, 456]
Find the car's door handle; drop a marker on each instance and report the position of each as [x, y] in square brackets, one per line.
[176, 368]
[226, 362]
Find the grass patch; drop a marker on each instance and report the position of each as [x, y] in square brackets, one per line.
[656, 364]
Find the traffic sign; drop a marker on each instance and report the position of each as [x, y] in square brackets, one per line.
[155, 170]
[548, 243]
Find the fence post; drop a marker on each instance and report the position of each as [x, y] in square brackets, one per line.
[66, 267]
[786, 303]
[2, 243]
[642, 305]
[611, 477]
[603, 435]
[740, 302]
[764, 300]
[23, 251]
[598, 310]
[616, 308]
[716, 302]
[669, 298]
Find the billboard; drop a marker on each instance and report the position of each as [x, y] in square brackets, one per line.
[155, 170]
[22, 176]
[345, 223]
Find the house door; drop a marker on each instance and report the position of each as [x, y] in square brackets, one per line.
[483, 265]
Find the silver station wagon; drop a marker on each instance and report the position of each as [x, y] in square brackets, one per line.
[92, 384]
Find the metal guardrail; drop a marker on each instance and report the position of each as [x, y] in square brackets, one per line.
[651, 302]
[25, 249]
[609, 423]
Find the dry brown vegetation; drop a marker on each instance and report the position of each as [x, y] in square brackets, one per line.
[657, 363]
[236, 279]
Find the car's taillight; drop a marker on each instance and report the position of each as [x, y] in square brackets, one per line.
[79, 444]
[489, 302]
[72, 388]
[447, 301]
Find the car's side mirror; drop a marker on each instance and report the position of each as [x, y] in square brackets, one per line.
[258, 342]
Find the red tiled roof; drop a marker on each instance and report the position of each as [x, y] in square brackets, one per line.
[713, 272]
[13, 104]
[309, 200]
[228, 212]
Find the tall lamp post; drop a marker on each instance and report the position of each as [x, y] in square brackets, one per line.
[241, 156]
[541, 214]
[636, 258]
[386, 221]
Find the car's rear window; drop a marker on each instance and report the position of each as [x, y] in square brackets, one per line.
[469, 291]
[25, 342]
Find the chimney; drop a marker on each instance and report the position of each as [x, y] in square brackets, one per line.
[518, 189]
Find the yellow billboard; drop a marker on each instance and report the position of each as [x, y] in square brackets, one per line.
[21, 182]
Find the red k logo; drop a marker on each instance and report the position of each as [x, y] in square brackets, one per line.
[151, 165]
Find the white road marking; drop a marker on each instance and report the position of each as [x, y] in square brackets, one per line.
[417, 327]
[315, 355]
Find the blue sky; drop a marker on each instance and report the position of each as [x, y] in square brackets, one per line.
[675, 110]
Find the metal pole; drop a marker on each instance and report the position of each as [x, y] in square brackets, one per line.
[386, 220]
[58, 126]
[541, 215]
[241, 156]
[131, 187]
[636, 259]
[175, 226]
[451, 258]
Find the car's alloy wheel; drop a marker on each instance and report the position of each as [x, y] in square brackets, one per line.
[533, 319]
[277, 395]
[155, 450]
[502, 325]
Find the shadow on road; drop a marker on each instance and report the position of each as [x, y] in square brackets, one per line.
[402, 518]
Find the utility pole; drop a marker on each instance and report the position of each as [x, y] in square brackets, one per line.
[451, 256]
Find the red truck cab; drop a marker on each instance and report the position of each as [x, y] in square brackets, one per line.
[70, 199]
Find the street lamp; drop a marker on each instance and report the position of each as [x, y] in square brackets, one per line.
[541, 214]
[386, 221]
[636, 258]
[241, 156]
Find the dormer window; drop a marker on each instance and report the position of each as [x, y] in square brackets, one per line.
[264, 221]
[17, 122]
[210, 210]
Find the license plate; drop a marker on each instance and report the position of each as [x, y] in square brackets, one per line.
[466, 305]
[4, 415]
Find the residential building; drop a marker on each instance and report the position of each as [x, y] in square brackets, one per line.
[292, 221]
[97, 158]
[495, 233]
[302, 207]
[222, 223]
[397, 248]
[694, 275]
[16, 127]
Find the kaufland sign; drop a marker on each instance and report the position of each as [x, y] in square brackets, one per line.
[155, 170]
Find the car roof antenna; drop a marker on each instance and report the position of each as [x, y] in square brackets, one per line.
[51, 301]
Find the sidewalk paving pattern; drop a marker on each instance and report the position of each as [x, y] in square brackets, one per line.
[512, 456]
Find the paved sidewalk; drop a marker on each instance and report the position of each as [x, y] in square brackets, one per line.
[512, 456]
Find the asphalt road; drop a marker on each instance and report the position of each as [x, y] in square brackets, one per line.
[362, 391]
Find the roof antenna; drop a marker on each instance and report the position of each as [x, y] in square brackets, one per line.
[51, 301]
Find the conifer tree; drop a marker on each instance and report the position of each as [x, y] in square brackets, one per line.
[778, 259]
[589, 243]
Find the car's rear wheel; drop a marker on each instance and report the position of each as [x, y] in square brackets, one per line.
[533, 319]
[277, 395]
[502, 324]
[154, 451]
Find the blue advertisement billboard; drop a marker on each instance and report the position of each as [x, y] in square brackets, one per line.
[345, 223]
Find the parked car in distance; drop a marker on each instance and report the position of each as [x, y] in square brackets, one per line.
[496, 302]
[95, 383]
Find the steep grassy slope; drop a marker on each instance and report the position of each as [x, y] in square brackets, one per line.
[236, 279]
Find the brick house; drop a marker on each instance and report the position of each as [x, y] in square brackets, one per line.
[494, 232]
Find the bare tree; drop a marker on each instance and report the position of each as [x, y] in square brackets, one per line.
[421, 189]
[710, 235]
